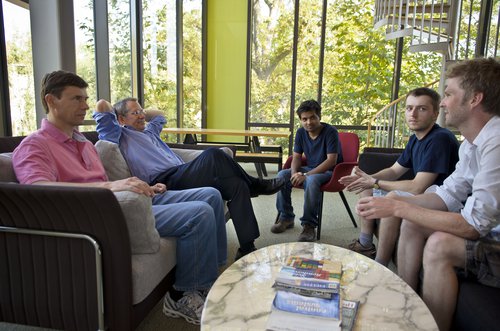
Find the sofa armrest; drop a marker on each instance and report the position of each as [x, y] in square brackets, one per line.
[141, 224]
[373, 160]
[7, 173]
[342, 169]
[58, 273]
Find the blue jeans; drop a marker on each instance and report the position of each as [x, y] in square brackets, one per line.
[312, 196]
[196, 218]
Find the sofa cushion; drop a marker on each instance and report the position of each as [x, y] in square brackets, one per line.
[477, 306]
[149, 269]
[144, 238]
[6, 170]
[187, 154]
[111, 157]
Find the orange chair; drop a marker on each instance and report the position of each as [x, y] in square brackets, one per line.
[350, 150]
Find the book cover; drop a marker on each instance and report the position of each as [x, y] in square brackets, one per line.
[325, 269]
[325, 286]
[285, 321]
[294, 312]
[307, 291]
[296, 303]
[349, 313]
[310, 277]
[305, 276]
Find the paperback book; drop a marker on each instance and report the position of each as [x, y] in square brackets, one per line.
[318, 278]
[349, 313]
[291, 311]
[307, 296]
[326, 269]
[288, 321]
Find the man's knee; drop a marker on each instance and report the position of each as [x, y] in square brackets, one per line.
[409, 228]
[211, 193]
[204, 215]
[313, 183]
[440, 248]
[285, 174]
[213, 152]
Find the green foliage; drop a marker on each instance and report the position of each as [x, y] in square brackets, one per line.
[357, 71]
[20, 71]
[358, 63]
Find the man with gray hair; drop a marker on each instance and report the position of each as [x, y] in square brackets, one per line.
[138, 135]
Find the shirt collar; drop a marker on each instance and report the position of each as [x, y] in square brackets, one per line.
[58, 135]
[483, 135]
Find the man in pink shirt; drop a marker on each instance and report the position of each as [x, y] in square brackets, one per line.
[57, 154]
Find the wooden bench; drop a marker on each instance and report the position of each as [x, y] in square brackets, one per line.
[244, 153]
[259, 159]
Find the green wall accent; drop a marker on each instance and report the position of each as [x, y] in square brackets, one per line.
[226, 66]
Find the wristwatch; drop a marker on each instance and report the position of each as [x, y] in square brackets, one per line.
[305, 174]
[375, 185]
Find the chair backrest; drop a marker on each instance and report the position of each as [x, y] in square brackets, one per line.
[350, 149]
[350, 146]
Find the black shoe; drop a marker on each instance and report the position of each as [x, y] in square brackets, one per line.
[240, 253]
[267, 186]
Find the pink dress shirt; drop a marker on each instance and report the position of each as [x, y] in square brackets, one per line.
[49, 155]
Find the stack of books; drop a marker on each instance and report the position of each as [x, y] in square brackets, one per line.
[308, 297]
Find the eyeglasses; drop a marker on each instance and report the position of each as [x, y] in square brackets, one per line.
[137, 112]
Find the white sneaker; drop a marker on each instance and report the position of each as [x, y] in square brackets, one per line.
[188, 307]
[204, 293]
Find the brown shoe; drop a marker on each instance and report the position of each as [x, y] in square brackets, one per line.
[356, 246]
[281, 225]
[308, 233]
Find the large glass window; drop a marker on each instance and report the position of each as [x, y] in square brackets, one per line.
[192, 60]
[120, 54]
[358, 65]
[160, 47]
[308, 50]
[271, 66]
[160, 60]
[20, 68]
[85, 47]
[492, 47]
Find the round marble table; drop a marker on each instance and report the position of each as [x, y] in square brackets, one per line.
[241, 297]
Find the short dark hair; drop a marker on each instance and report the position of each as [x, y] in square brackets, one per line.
[309, 105]
[479, 75]
[55, 82]
[121, 106]
[435, 97]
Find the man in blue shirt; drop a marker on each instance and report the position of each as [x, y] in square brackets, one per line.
[431, 155]
[319, 142]
[456, 229]
[150, 159]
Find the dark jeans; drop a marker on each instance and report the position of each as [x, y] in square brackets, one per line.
[216, 169]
